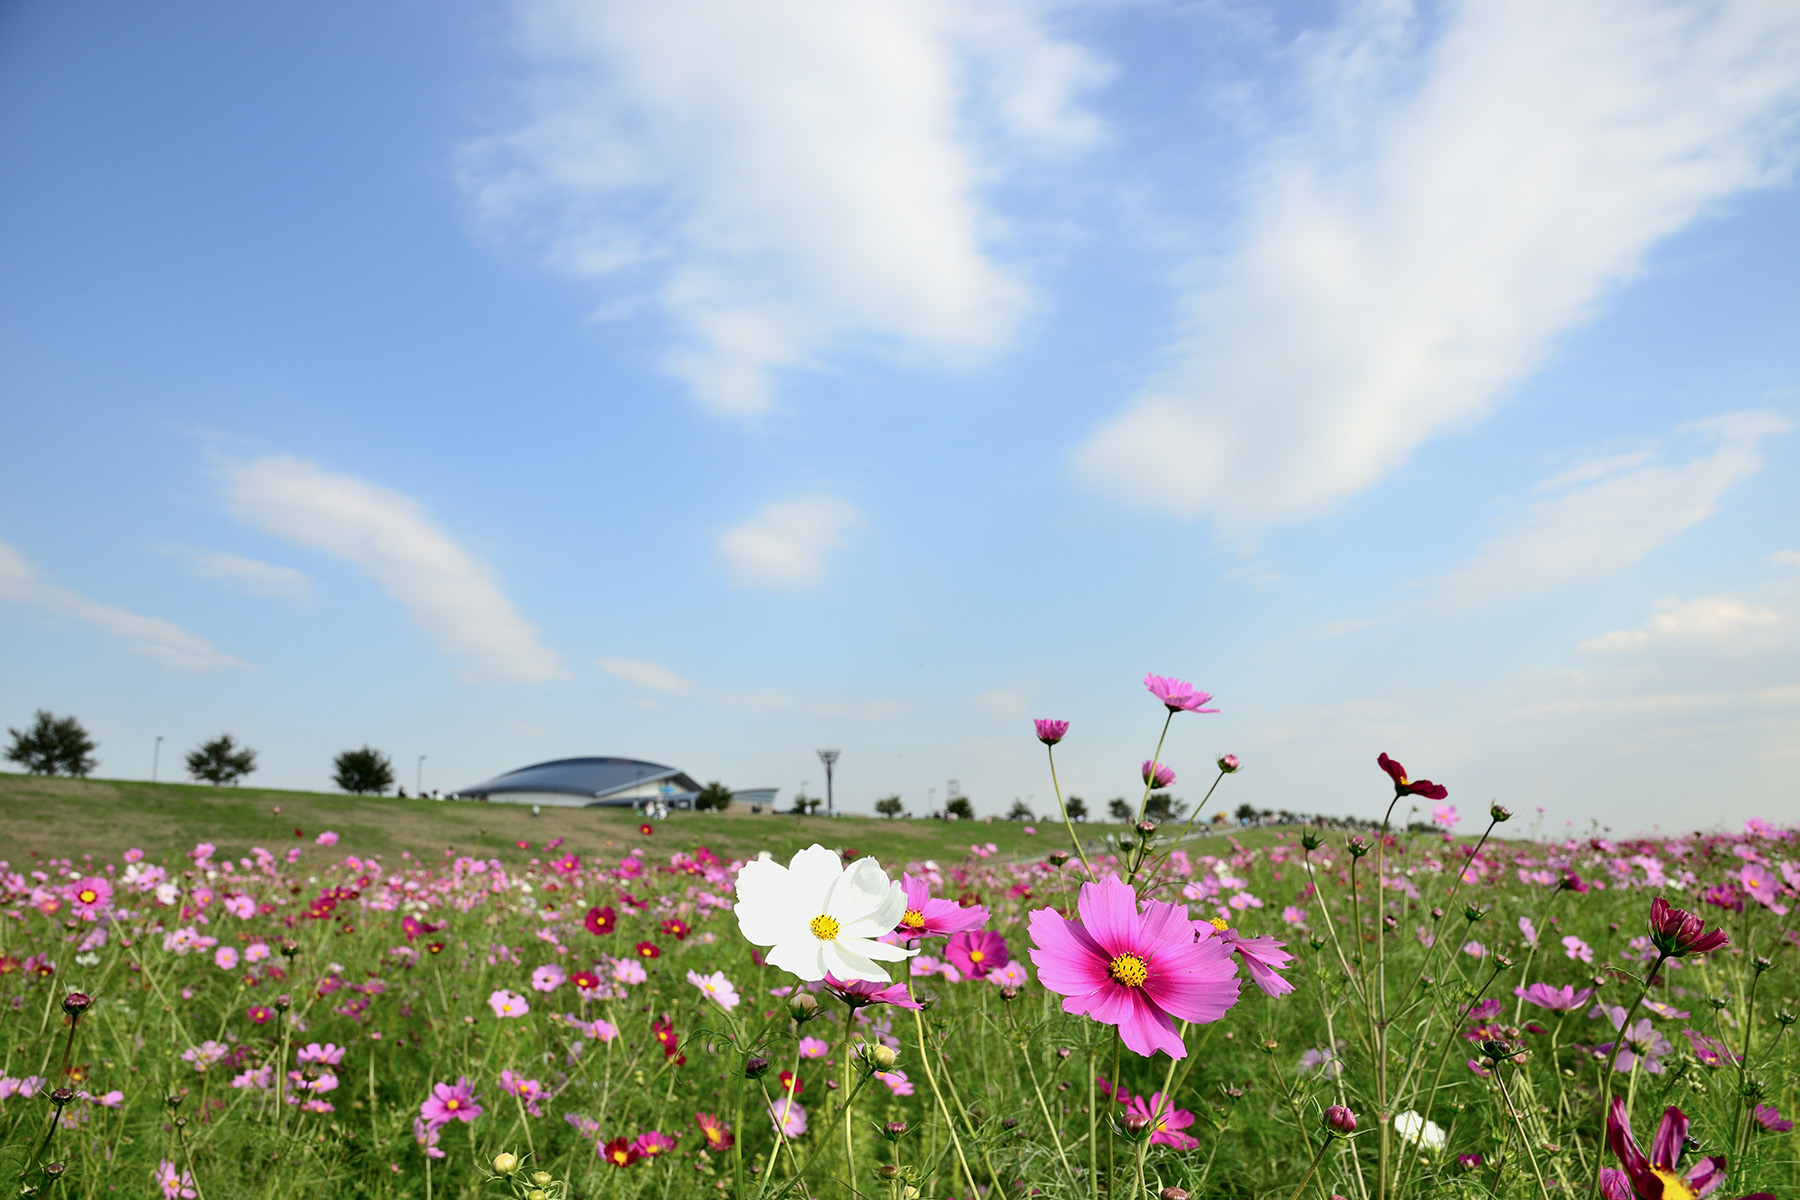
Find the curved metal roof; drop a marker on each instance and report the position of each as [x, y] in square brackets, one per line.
[594, 778]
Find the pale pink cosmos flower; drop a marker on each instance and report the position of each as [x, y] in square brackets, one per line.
[329, 1054]
[1178, 695]
[1528, 931]
[812, 1047]
[715, 987]
[1131, 968]
[788, 1116]
[1293, 915]
[447, 1103]
[896, 1081]
[548, 978]
[328, 838]
[1444, 816]
[255, 952]
[226, 958]
[1011, 975]
[176, 1185]
[508, 1005]
[1575, 948]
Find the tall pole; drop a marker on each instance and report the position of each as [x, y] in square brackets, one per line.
[829, 758]
[155, 757]
[419, 776]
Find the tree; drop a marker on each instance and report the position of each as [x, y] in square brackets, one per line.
[359, 772]
[715, 796]
[1245, 813]
[1076, 807]
[53, 746]
[1164, 807]
[890, 807]
[804, 803]
[1020, 811]
[1120, 809]
[221, 761]
[959, 809]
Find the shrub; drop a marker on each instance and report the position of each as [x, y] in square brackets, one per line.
[715, 796]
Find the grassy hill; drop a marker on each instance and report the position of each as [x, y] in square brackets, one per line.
[66, 818]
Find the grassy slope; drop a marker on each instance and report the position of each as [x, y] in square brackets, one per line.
[71, 817]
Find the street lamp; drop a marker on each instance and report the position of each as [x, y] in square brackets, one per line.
[419, 776]
[829, 758]
[155, 757]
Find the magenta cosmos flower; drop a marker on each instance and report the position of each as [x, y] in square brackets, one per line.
[858, 993]
[1262, 956]
[1408, 787]
[1051, 732]
[928, 917]
[975, 954]
[447, 1104]
[1654, 1178]
[1165, 1121]
[1137, 970]
[1178, 695]
[1678, 933]
[1563, 999]
[1157, 775]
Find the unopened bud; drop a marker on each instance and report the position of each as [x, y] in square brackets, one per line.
[1340, 1119]
[1496, 1050]
[1228, 763]
[1760, 962]
[888, 1171]
[1785, 1017]
[895, 1128]
[542, 1178]
[1499, 813]
[1311, 841]
[76, 1003]
[1357, 847]
[755, 1067]
[61, 1096]
[803, 1007]
[1473, 912]
[54, 1170]
[1172, 1193]
[1009, 991]
[1058, 857]
[1136, 1124]
[289, 947]
[880, 1057]
[1502, 963]
[505, 1164]
[283, 1002]
[1146, 828]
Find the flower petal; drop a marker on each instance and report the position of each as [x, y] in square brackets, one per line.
[800, 956]
[845, 963]
[1109, 913]
[1068, 960]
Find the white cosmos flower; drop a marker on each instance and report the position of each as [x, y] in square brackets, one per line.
[1413, 1128]
[818, 917]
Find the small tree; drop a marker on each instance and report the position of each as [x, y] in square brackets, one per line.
[359, 772]
[1245, 813]
[1164, 807]
[1076, 807]
[960, 809]
[1020, 811]
[714, 797]
[221, 761]
[1120, 809]
[890, 807]
[53, 746]
[804, 803]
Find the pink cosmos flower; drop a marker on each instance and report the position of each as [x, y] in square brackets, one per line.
[1051, 732]
[788, 1116]
[548, 978]
[1262, 957]
[1654, 1178]
[508, 1004]
[926, 916]
[896, 1081]
[1575, 948]
[328, 838]
[652, 1144]
[447, 1104]
[529, 1091]
[1444, 816]
[427, 1137]
[1770, 1118]
[176, 1185]
[1563, 999]
[1166, 1121]
[329, 1055]
[860, 992]
[975, 954]
[1012, 974]
[90, 898]
[812, 1047]
[1131, 968]
[1293, 916]
[226, 958]
[1157, 775]
[1178, 695]
[1678, 933]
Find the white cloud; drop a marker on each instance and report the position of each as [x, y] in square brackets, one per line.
[1419, 248]
[1620, 515]
[448, 592]
[1787, 558]
[173, 646]
[1713, 621]
[1002, 702]
[784, 174]
[654, 676]
[784, 545]
[256, 578]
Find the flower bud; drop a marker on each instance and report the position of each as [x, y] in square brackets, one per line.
[803, 1007]
[1009, 991]
[1437, 914]
[1136, 1124]
[1145, 828]
[1473, 912]
[1496, 1050]
[1228, 763]
[1499, 813]
[542, 1178]
[895, 1129]
[76, 1003]
[54, 1170]
[1058, 857]
[283, 1002]
[289, 948]
[1172, 1193]
[1311, 841]
[61, 1096]
[755, 1068]
[505, 1164]
[1339, 1119]
[1502, 963]
[878, 1056]
[1785, 1017]
[1357, 846]
[1760, 962]
[887, 1171]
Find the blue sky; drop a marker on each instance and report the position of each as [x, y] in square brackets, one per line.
[712, 383]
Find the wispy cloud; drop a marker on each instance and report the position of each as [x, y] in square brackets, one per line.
[786, 543]
[1614, 517]
[1716, 622]
[666, 681]
[1418, 247]
[781, 176]
[249, 575]
[449, 593]
[169, 644]
[654, 676]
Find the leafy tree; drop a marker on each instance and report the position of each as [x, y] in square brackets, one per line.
[1120, 809]
[1164, 807]
[1245, 812]
[359, 772]
[960, 808]
[715, 796]
[53, 746]
[1076, 807]
[1020, 812]
[221, 761]
[890, 807]
[804, 804]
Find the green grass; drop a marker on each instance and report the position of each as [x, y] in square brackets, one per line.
[71, 817]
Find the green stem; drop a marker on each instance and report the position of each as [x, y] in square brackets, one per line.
[1064, 809]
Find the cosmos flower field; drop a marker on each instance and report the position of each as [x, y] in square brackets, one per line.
[1357, 1015]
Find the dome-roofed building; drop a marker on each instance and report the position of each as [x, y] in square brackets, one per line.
[589, 783]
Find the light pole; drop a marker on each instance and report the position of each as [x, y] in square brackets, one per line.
[155, 757]
[419, 776]
[829, 758]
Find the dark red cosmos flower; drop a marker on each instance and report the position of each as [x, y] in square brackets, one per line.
[619, 1152]
[648, 950]
[1654, 1178]
[601, 920]
[1678, 934]
[665, 1036]
[646, 829]
[791, 1082]
[676, 928]
[435, 947]
[1406, 787]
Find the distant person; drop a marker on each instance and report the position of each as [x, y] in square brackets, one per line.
[402, 793]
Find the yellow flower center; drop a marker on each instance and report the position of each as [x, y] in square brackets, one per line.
[452, 1105]
[1129, 970]
[824, 928]
[912, 919]
[1220, 924]
[89, 895]
[976, 956]
[1674, 1186]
